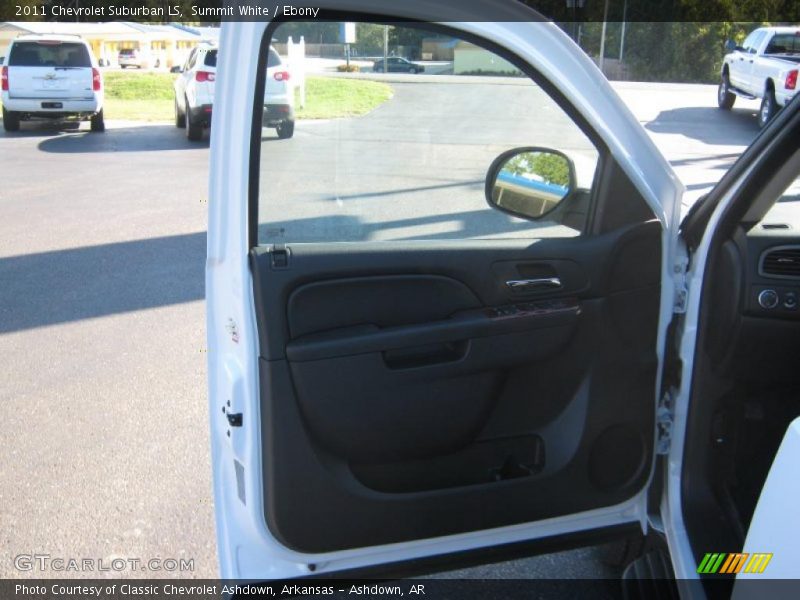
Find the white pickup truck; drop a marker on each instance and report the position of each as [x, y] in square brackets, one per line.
[764, 66]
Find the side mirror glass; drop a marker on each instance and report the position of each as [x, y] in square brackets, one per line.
[730, 46]
[176, 69]
[529, 182]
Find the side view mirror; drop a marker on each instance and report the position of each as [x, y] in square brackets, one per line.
[529, 182]
[176, 69]
[730, 46]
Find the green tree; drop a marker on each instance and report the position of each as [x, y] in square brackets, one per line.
[552, 168]
[369, 39]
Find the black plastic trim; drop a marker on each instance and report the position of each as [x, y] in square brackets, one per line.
[488, 555]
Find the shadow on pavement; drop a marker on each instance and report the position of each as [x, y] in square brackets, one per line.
[82, 283]
[709, 125]
[727, 158]
[31, 129]
[147, 138]
[474, 224]
[476, 183]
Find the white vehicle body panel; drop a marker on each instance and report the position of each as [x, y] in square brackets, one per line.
[671, 510]
[775, 527]
[278, 91]
[49, 83]
[67, 106]
[201, 93]
[246, 547]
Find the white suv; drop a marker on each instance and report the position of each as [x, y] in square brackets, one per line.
[51, 77]
[278, 97]
[194, 91]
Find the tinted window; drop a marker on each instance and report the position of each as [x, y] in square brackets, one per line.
[126, 52]
[211, 58]
[49, 54]
[784, 43]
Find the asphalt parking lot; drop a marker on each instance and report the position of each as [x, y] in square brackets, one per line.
[102, 248]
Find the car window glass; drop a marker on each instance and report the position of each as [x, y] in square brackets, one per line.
[273, 58]
[756, 43]
[49, 54]
[784, 43]
[190, 61]
[747, 45]
[402, 156]
[211, 58]
[786, 210]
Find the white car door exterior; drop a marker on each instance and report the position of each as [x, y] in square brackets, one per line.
[247, 548]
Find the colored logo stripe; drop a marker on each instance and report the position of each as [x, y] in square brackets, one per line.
[758, 562]
[732, 563]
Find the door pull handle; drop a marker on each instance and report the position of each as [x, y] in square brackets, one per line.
[528, 285]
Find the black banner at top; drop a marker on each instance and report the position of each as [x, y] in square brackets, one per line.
[210, 11]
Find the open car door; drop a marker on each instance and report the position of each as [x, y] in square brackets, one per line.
[399, 369]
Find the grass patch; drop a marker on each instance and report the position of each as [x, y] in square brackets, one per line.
[132, 85]
[331, 98]
[138, 110]
[134, 96]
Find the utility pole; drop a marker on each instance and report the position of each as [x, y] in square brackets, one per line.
[622, 34]
[603, 36]
[385, 48]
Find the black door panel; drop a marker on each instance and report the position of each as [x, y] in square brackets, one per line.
[367, 411]
[381, 301]
[442, 340]
[409, 392]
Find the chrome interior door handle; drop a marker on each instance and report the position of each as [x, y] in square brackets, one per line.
[527, 285]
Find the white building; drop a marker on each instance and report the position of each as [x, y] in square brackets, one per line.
[159, 45]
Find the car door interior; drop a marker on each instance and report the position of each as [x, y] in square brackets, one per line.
[422, 389]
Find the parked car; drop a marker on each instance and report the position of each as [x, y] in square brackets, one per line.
[194, 91]
[278, 97]
[129, 57]
[393, 406]
[51, 77]
[397, 64]
[195, 87]
[765, 66]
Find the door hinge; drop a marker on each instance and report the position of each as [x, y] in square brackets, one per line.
[234, 419]
[664, 422]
